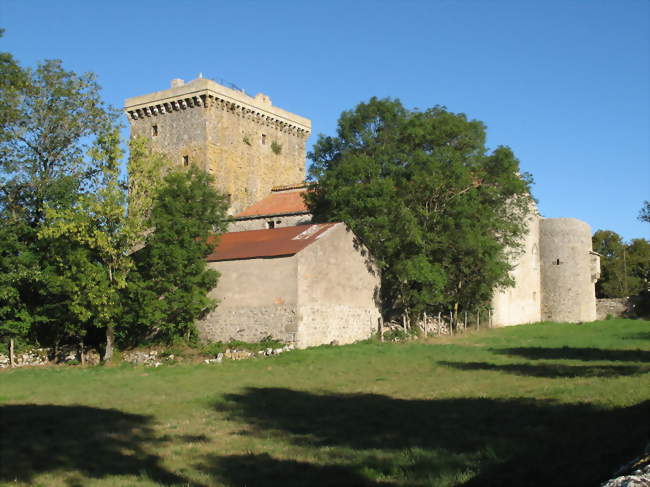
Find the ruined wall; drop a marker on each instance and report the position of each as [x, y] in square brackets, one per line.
[226, 132]
[257, 298]
[616, 307]
[262, 223]
[522, 303]
[338, 290]
[568, 270]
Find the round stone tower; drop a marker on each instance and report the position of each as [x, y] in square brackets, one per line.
[568, 270]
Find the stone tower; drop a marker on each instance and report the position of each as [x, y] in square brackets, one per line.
[247, 144]
[569, 270]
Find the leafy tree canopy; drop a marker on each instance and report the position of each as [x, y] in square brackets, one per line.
[644, 214]
[167, 290]
[442, 215]
[624, 268]
[52, 118]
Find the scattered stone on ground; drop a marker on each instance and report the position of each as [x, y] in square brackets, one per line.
[146, 357]
[633, 474]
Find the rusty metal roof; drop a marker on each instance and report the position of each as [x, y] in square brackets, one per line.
[280, 203]
[274, 242]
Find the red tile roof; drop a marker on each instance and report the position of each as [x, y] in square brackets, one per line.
[281, 203]
[267, 243]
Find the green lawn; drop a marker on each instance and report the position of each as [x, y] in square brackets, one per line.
[546, 404]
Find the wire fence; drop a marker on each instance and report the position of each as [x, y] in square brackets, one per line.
[442, 324]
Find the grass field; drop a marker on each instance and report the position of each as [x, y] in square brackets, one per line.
[545, 404]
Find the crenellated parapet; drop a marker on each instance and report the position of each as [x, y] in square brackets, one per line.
[246, 143]
[209, 95]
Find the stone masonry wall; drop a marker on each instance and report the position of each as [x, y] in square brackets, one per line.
[568, 271]
[616, 307]
[250, 324]
[179, 133]
[327, 323]
[241, 158]
[522, 303]
[262, 223]
[257, 298]
[338, 290]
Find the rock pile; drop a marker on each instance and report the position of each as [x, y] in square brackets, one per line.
[44, 356]
[37, 356]
[246, 354]
[634, 474]
[150, 358]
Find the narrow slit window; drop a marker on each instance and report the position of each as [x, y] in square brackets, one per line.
[270, 224]
[186, 161]
[557, 262]
[263, 139]
[154, 130]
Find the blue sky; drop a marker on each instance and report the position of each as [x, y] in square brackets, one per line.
[563, 83]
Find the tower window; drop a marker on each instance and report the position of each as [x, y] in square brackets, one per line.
[270, 224]
[557, 262]
[263, 139]
[186, 160]
[154, 130]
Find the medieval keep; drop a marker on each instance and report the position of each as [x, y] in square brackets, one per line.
[313, 284]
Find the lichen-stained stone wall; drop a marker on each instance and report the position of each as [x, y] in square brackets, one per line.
[245, 142]
[179, 133]
[242, 159]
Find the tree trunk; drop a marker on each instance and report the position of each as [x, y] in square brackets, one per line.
[110, 338]
[12, 359]
[82, 354]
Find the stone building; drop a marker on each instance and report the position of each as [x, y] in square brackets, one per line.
[284, 207]
[245, 142]
[307, 284]
[554, 276]
[313, 284]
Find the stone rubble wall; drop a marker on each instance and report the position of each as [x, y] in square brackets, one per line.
[250, 324]
[44, 356]
[338, 324]
[616, 307]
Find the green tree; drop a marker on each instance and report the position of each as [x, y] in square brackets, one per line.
[441, 214]
[19, 272]
[99, 237]
[644, 214]
[638, 261]
[624, 268]
[53, 122]
[167, 291]
[56, 117]
[613, 278]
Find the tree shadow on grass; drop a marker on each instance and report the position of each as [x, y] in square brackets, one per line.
[480, 441]
[96, 443]
[574, 353]
[552, 371]
[263, 470]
